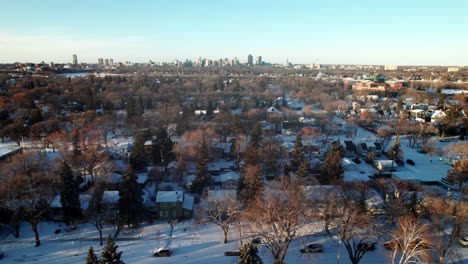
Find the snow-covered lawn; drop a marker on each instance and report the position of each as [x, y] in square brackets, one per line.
[191, 243]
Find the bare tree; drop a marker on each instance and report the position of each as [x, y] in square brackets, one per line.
[276, 217]
[385, 136]
[410, 242]
[447, 224]
[347, 217]
[30, 187]
[96, 213]
[223, 213]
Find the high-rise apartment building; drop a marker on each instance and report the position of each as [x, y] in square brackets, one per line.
[259, 60]
[101, 61]
[75, 59]
[250, 60]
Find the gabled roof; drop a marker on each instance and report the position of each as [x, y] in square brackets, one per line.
[169, 196]
[230, 175]
[188, 202]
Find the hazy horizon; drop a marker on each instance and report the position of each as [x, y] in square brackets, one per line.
[333, 32]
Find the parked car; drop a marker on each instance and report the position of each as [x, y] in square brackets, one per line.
[421, 151]
[312, 248]
[366, 245]
[410, 162]
[232, 253]
[162, 252]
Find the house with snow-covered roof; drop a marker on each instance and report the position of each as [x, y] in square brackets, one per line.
[172, 205]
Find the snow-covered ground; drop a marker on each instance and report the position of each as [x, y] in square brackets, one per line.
[191, 243]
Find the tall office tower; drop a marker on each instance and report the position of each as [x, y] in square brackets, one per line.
[106, 62]
[111, 61]
[101, 61]
[220, 63]
[75, 59]
[259, 60]
[250, 60]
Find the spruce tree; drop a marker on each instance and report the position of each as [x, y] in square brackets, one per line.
[249, 254]
[69, 194]
[92, 257]
[395, 152]
[138, 159]
[162, 148]
[202, 177]
[332, 170]
[131, 207]
[298, 153]
[109, 253]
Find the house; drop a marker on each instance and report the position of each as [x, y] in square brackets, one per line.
[172, 205]
[110, 204]
[437, 116]
[273, 113]
[55, 206]
[229, 180]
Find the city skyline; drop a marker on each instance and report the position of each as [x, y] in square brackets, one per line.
[336, 32]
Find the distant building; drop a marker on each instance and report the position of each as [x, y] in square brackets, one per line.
[101, 61]
[391, 67]
[259, 60]
[250, 60]
[453, 69]
[75, 59]
[111, 61]
[106, 62]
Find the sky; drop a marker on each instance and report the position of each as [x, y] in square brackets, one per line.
[409, 32]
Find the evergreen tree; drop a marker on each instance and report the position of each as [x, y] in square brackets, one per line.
[332, 170]
[202, 177]
[250, 184]
[162, 148]
[69, 194]
[131, 201]
[109, 253]
[138, 159]
[395, 152]
[249, 254]
[92, 257]
[298, 153]
[76, 147]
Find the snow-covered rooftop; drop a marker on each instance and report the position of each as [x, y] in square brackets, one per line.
[110, 197]
[84, 201]
[169, 196]
[188, 202]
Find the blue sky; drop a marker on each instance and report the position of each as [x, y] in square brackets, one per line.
[418, 32]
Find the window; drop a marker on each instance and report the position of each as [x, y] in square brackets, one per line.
[163, 204]
[174, 214]
[163, 213]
